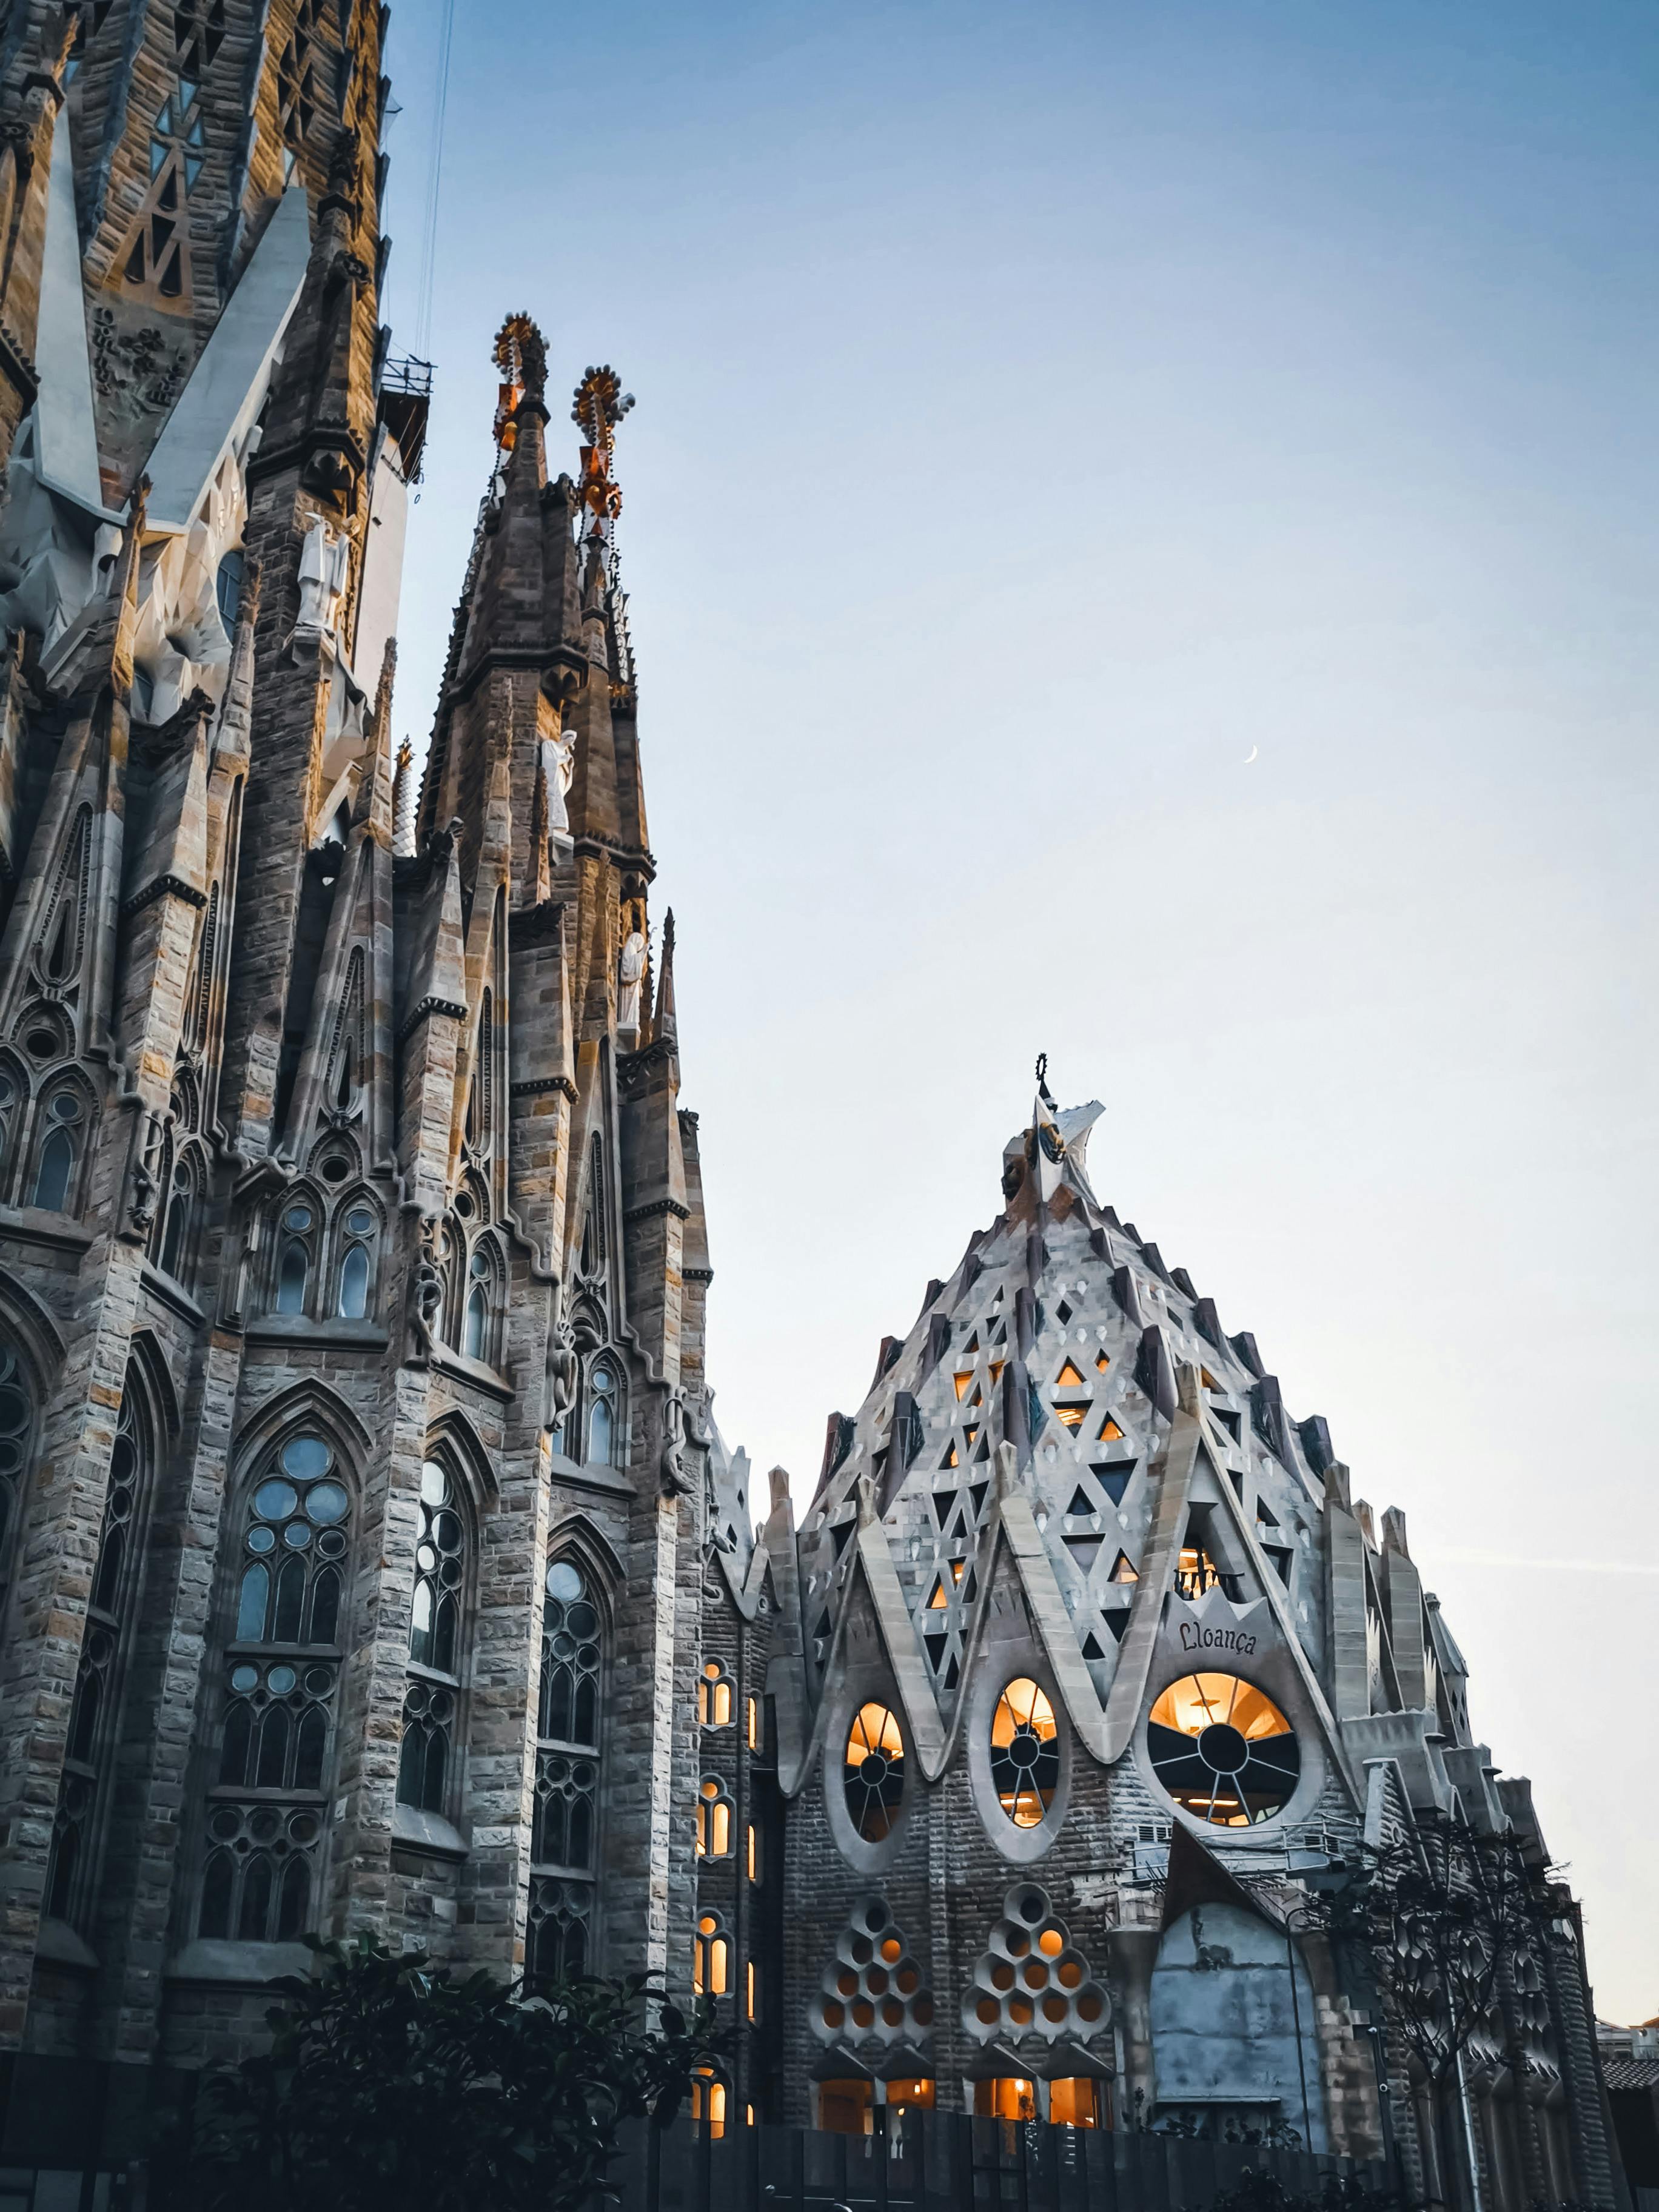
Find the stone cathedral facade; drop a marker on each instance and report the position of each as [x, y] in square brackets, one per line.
[368, 1555]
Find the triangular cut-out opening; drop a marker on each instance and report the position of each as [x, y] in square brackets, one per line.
[952, 1673]
[949, 1458]
[962, 1383]
[1237, 1482]
[1121, 1571]
[999, 1333]
[970, 1430]
[1091, 1646]
[1069, 1378]
[1118, 1623]
[1229, 1421]
[1084, 1550]
[977, 1491]
[978, 1399]
[972, 1344]
[1079, 1503]
[821, 1631]
[981, 1449]
[959, 1526]
[937, 1646]
[942, 1501]
[1069, 1417]
[1102, 1363]
[997, 1366]
[839, 1534]
[1114, 1480]
[939, 1600]
[1207, 1379]
[967, 1595]
[1110, 1432]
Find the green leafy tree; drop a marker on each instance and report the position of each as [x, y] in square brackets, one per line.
[391, 2086]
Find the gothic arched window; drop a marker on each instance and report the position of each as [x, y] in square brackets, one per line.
[13, 1093]
[873, 1777]
[281, 1675]
[475, 1326]
[354, 1271]
[60, 1137]
[604, 1422]
[109, 1609]
[1024, 1753]
[716, 1818]
[435, 1644]
[176, 1249]
[567, 1732]
[711, 1956]
[297, 1231]
[16, 1423]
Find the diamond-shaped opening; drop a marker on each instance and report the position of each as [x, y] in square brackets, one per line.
[1121, 1570]
[1102, 1363]
[1062, 1312]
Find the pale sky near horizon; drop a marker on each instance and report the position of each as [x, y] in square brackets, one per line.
[1039, 408]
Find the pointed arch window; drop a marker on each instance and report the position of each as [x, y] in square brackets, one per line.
[354, 1275]
[564, 1842]
[177, 1247]
[295, 1238]
[59, 1143]
[94, 1718]
[280, 1684]
[475, 1328]
[16, 1428]
[425, 1761]
[13, 1093]
[603, 1416]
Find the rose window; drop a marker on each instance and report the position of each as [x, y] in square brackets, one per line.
[1223, 1750]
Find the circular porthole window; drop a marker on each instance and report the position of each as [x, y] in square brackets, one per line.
[1024, 1753]
[874, 1775]
[1223, 1750]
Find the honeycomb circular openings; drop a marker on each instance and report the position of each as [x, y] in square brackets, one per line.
[873, 1990]
[1032, 1979]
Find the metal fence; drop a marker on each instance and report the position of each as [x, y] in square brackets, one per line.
[943, 2162]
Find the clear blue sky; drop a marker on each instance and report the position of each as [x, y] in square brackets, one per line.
[1039, 408]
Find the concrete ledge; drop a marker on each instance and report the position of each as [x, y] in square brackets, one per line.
[252, 1964]
[428, 1831]
[60, 1943]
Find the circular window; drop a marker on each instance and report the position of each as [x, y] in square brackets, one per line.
[305, 1456]
[1024, 1753]
[874, 1777]
[360, 1221]
[1223, 1750]
[297, 1218]
[563, 1582]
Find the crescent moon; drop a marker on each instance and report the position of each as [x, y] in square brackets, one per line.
[1251, 755]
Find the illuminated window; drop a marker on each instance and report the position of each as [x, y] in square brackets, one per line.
[962, 1383]
[752, 1851]
[1109, 1431]
[749, 1997]
[874, 1777]
[1009, 2097]
[1024, 1753]
[915, 2093]
[847, 2108]
[752, 1709]
[1069, 1378]
[1121, 1571]
[714, 1703]
[1079, 2102]
[714, 1819]
[709, 2099]
[711, 1958]
[1070, 1416]
[1223, 1750]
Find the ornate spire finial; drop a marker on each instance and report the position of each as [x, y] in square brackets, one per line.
[600, 404]
[521, 356]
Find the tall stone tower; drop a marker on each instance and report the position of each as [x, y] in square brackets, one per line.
[352, 1419]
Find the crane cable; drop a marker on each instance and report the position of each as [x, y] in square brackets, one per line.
[429, 243]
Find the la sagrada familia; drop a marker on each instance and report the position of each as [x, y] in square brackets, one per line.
[369, 1558]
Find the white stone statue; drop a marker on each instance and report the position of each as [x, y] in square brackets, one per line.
[324, 566]
[630, 972]
[558, 768]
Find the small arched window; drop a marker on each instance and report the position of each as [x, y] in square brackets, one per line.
[709, 2100]
[716, 1820]
[177, 1248]
[295, 1231]
[714, 1700]
[1024, 1753]
[874, 1770]
[63, 1132]
[602, 1425]
[358, 1226]
[281, 1682]
[475, 1325]
[711, 1958]
[228, 589]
